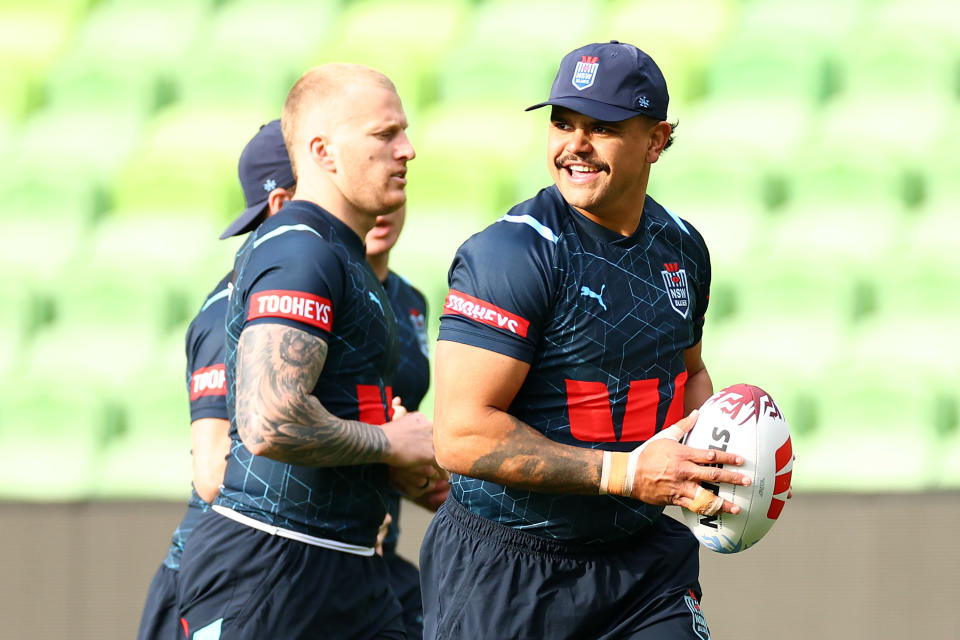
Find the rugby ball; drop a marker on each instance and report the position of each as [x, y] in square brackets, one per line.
[743, 419]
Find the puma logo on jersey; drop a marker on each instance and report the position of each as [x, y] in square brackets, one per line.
[208, 381]
[375, 299]
[590, 293]
[482, 311]
[293, 305]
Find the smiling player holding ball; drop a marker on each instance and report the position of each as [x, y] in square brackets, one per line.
[569, 354]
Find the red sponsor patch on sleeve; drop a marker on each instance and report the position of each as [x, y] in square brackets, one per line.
[292, 305]
[482, 311]
[208, 381]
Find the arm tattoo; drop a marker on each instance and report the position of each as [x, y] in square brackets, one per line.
[521, 460]
[277, 369]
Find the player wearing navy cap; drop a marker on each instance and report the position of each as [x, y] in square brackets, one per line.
[569, 354]
[267, 182]
[287, 550]
[410, 385]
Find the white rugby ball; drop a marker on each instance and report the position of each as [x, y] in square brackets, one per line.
[743, 419]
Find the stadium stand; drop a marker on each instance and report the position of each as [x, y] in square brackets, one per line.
[818, 158]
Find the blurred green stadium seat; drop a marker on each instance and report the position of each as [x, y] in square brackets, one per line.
[252, 56]
[875, 433]
[50, 433]
[91, 142]
[768, 65]
[762, 133]
[160, 267]
[403, 40]
[681, 35]
[156, 429]
[938, 20]
[690, 178]
[511, 51]
[803, 20]
[187, 162]
[124, 54]
[891, 61]
[462, 168]
[39, 250]
[30, 39]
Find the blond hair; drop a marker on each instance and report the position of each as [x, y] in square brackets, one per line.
[321, 87]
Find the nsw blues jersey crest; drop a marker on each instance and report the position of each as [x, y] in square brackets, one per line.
[675, 280]
[585, 73]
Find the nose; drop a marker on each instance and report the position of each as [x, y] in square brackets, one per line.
[405, 148]
[578, 142]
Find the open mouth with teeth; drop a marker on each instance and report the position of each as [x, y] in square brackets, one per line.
[577, 172]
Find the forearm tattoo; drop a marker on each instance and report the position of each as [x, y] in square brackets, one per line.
[277, 369]
[522, 460]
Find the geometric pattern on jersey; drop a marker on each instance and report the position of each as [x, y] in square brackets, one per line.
[413, 366]
[605, 344]
[305, 251]
[205, 355]
[413, 369]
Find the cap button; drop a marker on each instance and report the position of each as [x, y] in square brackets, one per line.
[614, 42]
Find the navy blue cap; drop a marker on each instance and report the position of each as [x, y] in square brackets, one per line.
[264, 165]
[609, 81]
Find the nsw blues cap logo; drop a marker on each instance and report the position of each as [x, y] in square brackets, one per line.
[585, 73]
[610, 81]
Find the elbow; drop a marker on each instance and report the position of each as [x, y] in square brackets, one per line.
[449, 449]
[253, 435]
[206, 490]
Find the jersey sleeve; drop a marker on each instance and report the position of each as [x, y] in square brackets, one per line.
[296, 280]
[500, 289]
[206, 374]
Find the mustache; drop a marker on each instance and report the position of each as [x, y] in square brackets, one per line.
[572, 158]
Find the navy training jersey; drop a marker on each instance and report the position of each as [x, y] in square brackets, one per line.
[207, 387]
[413, 367]
[413, 370]
[305, 269]
[603, 320]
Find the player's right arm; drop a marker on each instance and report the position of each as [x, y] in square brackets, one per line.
[278, 417]
[475, 436]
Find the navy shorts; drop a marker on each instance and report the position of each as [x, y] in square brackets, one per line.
[405, 580]
[237, 582]
[159, 618]
[481, 579]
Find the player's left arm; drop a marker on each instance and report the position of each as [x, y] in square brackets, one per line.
[699, 385]
[210, 439]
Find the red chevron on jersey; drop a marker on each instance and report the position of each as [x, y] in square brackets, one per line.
[292, 305]
[208, 381]
[482, 311]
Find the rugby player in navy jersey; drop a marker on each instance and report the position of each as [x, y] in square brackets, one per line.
[410, 385]
[287, 550]
[567, 370]
[267, 182]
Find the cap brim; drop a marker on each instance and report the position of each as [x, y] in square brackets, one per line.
[591, 108]
[244, 220]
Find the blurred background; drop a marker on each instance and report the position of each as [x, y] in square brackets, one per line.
[818, 151]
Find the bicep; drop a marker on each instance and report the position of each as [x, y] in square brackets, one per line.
[276, 366]
[472, 386]
[476, 378]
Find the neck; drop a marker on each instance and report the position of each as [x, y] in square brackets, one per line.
[380, 265]
[624, 224]
[325, 194]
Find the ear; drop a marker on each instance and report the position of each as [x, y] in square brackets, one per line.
[323, 154]
[659, 135]
[276, 199]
